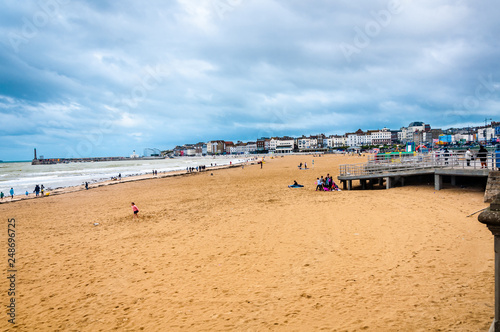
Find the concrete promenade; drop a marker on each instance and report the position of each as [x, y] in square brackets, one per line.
[396, 169]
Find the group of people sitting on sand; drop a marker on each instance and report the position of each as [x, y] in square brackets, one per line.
[326, 184]
[322, 184]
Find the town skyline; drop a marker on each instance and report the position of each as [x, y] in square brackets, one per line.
[416, 131]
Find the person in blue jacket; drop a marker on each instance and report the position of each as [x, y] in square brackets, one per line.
[295, 185]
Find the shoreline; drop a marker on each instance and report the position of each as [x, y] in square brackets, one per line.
[132, 178]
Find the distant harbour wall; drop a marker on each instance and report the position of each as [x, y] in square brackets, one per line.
[52, 161]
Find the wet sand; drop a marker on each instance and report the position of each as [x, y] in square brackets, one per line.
[240, 251]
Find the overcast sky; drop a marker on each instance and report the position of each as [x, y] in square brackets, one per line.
[103, 78]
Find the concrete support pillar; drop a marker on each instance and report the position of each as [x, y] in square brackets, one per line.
[363, 184]
[388, 183]
[344, 184]
[402, 181]
[349, 184]
[453, 180]
[438, 182]
[491, 218]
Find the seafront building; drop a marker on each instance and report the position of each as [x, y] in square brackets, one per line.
[282, 144]
[263, 144]
[151, 152]
[230, 148]
[486, 133]
[379, 137]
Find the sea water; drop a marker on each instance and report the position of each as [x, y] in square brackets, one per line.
[22, 176]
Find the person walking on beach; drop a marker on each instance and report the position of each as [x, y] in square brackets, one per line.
[318, 184]
[468, 156]
[37, 190]
[11, 193]
[86, 186]
[482, 154]
[135, 209]
[1, 195]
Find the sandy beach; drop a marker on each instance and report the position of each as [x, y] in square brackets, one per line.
[239, 250]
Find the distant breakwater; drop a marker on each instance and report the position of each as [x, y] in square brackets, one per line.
[86, 160]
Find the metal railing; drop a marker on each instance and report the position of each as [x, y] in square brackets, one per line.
[419, 161]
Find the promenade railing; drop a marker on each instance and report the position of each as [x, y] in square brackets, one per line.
[419, 161]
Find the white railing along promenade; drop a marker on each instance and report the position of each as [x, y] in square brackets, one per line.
[419, 161]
